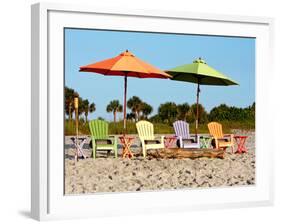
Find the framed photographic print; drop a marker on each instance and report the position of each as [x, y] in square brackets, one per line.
[148, 111]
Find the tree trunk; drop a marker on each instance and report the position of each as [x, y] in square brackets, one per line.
[137, 115]
[69, 113]
[114, 116]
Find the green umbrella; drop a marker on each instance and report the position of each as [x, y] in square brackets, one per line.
[200, 73]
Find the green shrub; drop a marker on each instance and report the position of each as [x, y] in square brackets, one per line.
[69, 128]
[118, 129]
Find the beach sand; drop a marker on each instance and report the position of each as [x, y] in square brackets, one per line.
[107, 174]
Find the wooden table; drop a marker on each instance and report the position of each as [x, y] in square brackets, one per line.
[79, 143]
[241, 140]
[205, 141]
[126, 142]
[169, 141]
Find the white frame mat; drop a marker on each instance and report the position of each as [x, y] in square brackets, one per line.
[48, 200]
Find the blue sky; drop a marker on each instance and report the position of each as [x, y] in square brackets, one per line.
[233, 56]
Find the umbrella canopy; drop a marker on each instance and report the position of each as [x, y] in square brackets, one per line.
[128, 65]
[200, 73]
[125, 64]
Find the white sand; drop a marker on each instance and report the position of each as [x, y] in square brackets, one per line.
[107, 174]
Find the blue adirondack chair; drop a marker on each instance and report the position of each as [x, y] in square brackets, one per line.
[184, 140]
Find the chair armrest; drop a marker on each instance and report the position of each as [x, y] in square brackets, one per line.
[112, 137]
[93, 138]
[115, 139]
[227, 136]
[222, 138]
[231, 137]
[151, 141]
[162, 139]
[192, 137]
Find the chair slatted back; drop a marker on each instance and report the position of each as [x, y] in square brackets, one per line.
[99, 129]
[181, 129]
[215, 129]
[145, 130]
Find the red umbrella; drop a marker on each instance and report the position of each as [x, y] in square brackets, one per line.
[128, 65]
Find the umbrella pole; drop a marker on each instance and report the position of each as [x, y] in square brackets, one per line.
[125, 102]
[197, 110]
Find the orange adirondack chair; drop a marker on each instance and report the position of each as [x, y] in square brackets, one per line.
[221, 140]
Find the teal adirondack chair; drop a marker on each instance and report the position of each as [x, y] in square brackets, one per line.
[100, 138]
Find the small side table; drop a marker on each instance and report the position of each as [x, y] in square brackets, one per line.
[79, 143]
[169, 141]
[126, 142]
[241, 140]
[205, 142]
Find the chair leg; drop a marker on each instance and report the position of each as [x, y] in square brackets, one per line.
[94, 148]
[94, 153]
[143, 152]
[115, 147]
[217, 144]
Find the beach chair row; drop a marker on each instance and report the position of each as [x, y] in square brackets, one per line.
[102, 141]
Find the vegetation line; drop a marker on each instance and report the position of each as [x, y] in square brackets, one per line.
[168, 112]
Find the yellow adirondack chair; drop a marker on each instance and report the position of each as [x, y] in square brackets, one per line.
[221, 140]
[146, 134]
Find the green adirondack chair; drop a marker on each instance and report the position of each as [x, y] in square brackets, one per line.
[146, 134]
[100, 138]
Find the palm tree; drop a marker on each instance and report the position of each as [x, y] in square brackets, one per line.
[69, 99]
[92, 107]
[81, 106]
[131, 116]
[114, 106]
[86, 109]
[219, 113]
[183, 111]
[202, 115]
[135, 104]
[146, 109]
[168, 112]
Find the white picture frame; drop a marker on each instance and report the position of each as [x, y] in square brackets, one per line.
[48, 200]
